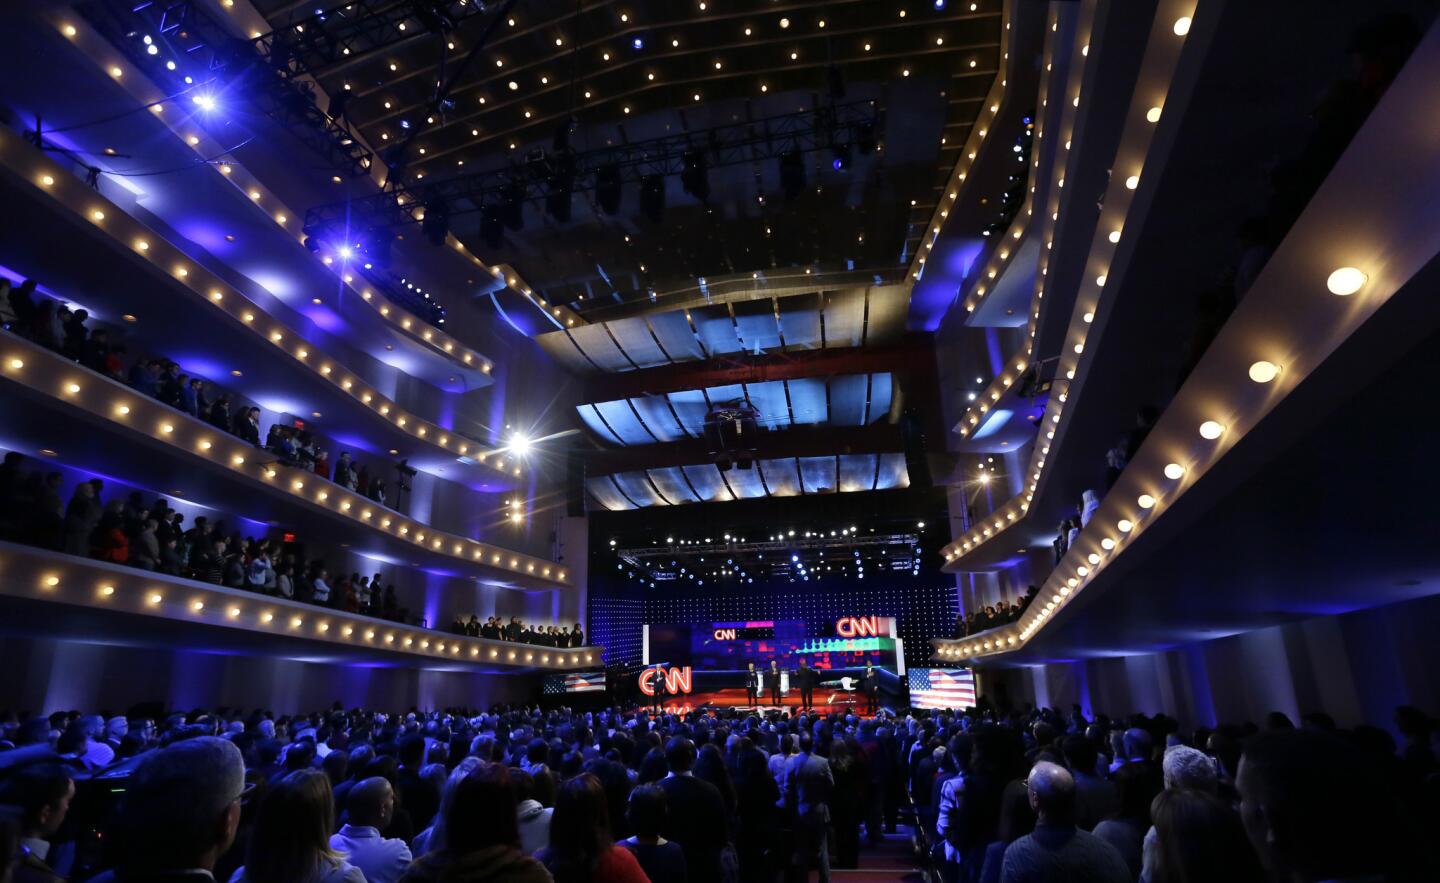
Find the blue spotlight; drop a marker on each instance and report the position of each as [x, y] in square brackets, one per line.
[638, 43]
[206, 101]
[939, 4]
[346, 252]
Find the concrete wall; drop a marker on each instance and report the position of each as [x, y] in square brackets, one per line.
[1354, 666]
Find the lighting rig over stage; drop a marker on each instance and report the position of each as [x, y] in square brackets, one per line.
[793, 555]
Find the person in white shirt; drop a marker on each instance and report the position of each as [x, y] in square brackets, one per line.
[371, 805]
[322, 589]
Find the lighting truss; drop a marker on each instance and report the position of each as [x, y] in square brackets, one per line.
[195, 42]
[352, 30]
[637, 556]
[531, 177]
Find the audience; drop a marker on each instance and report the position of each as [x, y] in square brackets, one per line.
[152, 536]
[337, 795]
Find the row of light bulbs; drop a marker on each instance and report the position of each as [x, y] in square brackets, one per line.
[1000, 519]
[263, 199]
[191, 434]
[1012, 240]
[332, 627]
[161, 252]
[978, 131]
[1342, 282]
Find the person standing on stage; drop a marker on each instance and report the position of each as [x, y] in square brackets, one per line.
[774, 675]
[752, 685]
[806, 677]
[870, 686]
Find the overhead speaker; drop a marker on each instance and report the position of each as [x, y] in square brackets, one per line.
[652, 197]
[695, 174]
[792, 173]
[436, 225]
[492, 229]
[574, 485]
[512, 206]
[608, 189]
[912, 437]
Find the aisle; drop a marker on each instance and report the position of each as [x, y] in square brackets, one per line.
[892, 860]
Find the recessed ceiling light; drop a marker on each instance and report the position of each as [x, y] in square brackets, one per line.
[46, 452]
[237, 372]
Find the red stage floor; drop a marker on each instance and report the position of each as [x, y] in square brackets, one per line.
[826, 701]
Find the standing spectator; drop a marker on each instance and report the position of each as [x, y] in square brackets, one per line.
[82, 516]
[482, 844]
[76, 334]
[660, 859]
[42, 793]
[1199, 837]
[145, 549]
[581, 849]
[1057, 850]
[180, 811]
[697, 813]
[808, 788]
[290, 838]
[371, 805]
[1096, 798]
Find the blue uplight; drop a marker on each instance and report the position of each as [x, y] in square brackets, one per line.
[638, 43]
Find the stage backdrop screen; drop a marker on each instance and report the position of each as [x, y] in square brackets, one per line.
[729, 646]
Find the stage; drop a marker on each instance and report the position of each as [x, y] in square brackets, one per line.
[826, 701]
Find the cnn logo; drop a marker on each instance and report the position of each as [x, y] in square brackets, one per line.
[675, 680]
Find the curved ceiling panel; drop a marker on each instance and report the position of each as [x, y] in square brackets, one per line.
[848, 395]
[755, 323]
[716, 329]
[819, 474]
[847, 473]
[595, 341]
[672, 484]
[675, 336]
[808, 403]
[604, 492]
[769, 398]
[624, 423]
[592, 419]
[639, 344]
[781, 477]
[659, 419]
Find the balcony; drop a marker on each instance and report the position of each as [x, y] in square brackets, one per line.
[56, 404]
[1346, 292]
[47, 592]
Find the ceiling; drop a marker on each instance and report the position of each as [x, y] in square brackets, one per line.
[787, 477]
[481, 90]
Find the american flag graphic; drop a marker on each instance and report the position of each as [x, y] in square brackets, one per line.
[575, 682]
[942, 688]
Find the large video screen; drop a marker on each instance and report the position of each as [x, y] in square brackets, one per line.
[729, 646]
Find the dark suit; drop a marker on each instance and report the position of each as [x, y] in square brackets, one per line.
[773, 676]
[806, 678]
[697, 822]
[870, 686]
[752, 686]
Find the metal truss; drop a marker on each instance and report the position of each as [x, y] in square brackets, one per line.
[357, 28]
[540, 172]
[188, 33]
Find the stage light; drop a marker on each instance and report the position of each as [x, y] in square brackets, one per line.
[1264, 372]
[1211, 430]
[519, 445]
[206, 101]
[346, 252]
[1345, 281]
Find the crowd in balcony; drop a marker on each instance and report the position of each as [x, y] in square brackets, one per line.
[55, 326]
[522, 795]
[153, 536]
[496, 628]
[994, 615]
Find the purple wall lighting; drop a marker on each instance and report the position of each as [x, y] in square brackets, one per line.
[939, 286]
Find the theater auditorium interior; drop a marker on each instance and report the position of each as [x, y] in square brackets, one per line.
[719, 442]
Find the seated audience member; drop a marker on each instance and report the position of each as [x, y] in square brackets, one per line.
[660, 859]
[433, 838]
[482, 843]
[42, 793]
[1057, 850]
[581, 849]
[1199, 837]
[1315, 808]
[370, 805]
[290, 840]
[180, 812]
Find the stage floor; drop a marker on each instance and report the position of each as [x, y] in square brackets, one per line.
[826, 701]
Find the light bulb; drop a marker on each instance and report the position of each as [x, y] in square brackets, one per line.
[1211, 430]
[1264, 372]
[1345, 281]
[1174, 471]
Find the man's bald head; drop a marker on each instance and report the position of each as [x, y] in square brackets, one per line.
[1052, 793]
[371, 803]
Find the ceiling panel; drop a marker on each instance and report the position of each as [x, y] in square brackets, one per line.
[716, 328]
[671, 482]
[756, 322]
[604, 492]
[819, 474]
[592, 419]
[807, 400]
[844, 316]
[656, 413]
[637, 487]
[674, 334]
[624, 422]
[800, 320]
[705, 478]
[781, 477]
[635, 338]
[769, 398]
[596, 343]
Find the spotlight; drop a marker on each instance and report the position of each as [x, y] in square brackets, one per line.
[637, 43]
[346, 252]
[841, 161]
[519, 445]
[206, 102]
